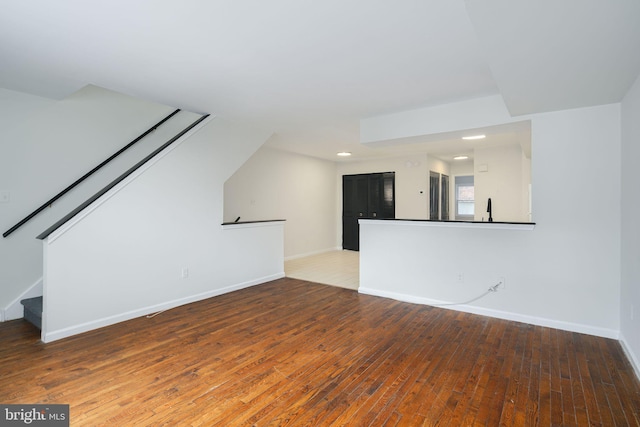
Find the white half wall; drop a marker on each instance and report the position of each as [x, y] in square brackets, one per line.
[47, 149]
[274, 184]
[566, 272]
[156, 240]
[630, 262]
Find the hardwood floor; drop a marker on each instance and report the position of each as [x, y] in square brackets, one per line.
[291, 352]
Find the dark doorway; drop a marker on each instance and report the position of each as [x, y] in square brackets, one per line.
[444, 197]
[438, 196]
[365, 196]
[434, 195]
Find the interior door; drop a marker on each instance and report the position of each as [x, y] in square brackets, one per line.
[354, 207]
[434, 195]
[365, 196]
[444, 197]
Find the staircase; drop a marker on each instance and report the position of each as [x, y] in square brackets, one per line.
[33, 310]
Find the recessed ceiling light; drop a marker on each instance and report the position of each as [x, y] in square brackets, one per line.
[474, 137]
[460, 157]
[344, 154]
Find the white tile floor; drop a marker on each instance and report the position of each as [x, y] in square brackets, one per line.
[337, 268]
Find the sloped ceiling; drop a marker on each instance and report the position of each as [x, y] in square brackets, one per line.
[548, 55]
[310, 70]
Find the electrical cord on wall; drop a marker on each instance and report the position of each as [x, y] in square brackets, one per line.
[493, 288]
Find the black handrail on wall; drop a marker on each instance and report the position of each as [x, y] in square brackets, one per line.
[86, 175]
[118, 180]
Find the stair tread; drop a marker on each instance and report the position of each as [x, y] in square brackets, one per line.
[33, 304]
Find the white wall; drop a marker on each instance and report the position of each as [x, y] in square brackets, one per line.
[303, 190]
[274, 184]
[500, 179]
[49, 148]
[564, 273]
[16, 107]
[411, 182]
[307, 192]
[126, 258]
[439, 165]
[630, 277]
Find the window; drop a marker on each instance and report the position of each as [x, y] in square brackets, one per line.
[465, 199]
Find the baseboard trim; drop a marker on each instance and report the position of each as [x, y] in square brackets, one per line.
[15, 310]
[50, 336]
[533, 320]
[633, 359]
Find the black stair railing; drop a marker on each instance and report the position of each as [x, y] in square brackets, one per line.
[118, 180]
[49, 202]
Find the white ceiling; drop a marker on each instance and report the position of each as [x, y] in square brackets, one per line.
[310, 70]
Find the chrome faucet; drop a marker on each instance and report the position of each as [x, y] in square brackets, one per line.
[489, 209]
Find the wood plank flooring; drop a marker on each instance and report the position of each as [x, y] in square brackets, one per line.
[295, 353]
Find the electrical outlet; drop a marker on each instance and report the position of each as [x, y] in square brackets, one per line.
[460, 278]
[185, 272]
